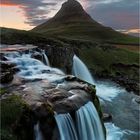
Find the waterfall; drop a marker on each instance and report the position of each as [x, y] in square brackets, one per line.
[81, 71]
[88, 125]
[38, 134]
[66, 127]
[46, 58]
[31, 68]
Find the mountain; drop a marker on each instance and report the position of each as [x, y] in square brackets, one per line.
[72, 22]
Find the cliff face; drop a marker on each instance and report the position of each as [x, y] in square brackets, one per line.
[61, 57]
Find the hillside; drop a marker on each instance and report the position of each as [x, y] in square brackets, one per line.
[73, 22]
[14, 36]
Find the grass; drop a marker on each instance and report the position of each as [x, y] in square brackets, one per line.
[87, 31]
[11, 110]
[2, 91]
[101, 60]
[133, 48]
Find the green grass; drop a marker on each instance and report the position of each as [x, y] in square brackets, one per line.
[2, 91]
[101, 59]
[11, 110]
[13, 36]
[87, 31]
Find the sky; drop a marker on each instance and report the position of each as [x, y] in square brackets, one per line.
[121, 15]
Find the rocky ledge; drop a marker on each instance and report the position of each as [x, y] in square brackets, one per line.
[42, 100]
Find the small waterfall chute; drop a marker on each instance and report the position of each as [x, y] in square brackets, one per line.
[81, 71]
[38, 133]
[46, 60]
[89, 124]
[66, 127]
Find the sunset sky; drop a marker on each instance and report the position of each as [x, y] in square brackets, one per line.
[122, 15]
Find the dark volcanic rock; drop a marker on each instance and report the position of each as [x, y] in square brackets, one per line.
[60, 56]
[37, 56]
[7, 70]
[6, 77]
[107, 117]
[2, 57]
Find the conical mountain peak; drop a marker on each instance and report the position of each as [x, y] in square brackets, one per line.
[73, 21]
[72, 9]
[70, 12]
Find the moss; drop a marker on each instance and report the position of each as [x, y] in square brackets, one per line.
[11, 110]
[2, 91]
[96, 102]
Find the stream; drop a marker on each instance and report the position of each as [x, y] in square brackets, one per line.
[114, 99]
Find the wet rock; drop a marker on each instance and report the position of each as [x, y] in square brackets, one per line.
[37, 56]
[44, 99]
[60, 57]
[6, 77]
[2, 57]
[8, 70]
[137, 100]
[6, 65]
[107, 117]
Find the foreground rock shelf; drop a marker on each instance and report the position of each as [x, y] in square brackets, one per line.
[44, 99]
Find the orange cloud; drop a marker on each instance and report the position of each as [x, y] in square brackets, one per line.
[132, 31]
[8, 4]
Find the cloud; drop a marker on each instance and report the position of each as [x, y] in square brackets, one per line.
[35, 11]
[134, 32]
[118, 14]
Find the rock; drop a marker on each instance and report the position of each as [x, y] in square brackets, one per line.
[37, 56]
[8, 70]
[137, 100]
[6, 77]
[107, 117]
[44, 99]
[6, 65]
[60, 56]
[2, 57]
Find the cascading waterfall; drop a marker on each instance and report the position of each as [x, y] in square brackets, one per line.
[31, 68]
[81, 71]
[105, 91]
[66, 127]
[46, 58]
[37, 132]
[88, 122]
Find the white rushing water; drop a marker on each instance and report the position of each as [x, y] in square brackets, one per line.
[86, 127]
[66, 127]
[38, 133]
[114, 98]
[89, 124]
[46, 58]
[81, 71]
[31, 68]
